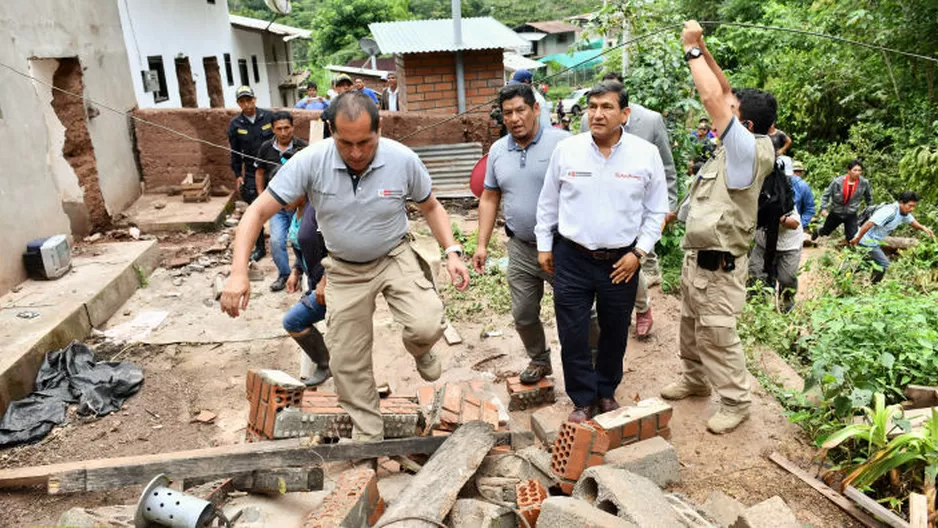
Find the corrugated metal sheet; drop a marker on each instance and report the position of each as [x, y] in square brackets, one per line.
[424, 36]
[265, 25]
[450, 167]
[553, 26]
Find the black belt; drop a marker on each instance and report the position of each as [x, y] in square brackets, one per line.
[601, 253]
[714, 260]
[333, 257]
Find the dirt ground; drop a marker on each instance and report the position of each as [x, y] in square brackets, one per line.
[207, 372]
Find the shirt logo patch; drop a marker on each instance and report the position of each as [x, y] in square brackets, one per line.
[390, 193]
[242, 131]
[627, 176]
[579, 174]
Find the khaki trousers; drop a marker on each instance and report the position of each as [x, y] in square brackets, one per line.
[351, 290]
[709, 345]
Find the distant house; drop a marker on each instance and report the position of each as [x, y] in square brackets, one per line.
[425, 52]
[548, 38]
[195, 54]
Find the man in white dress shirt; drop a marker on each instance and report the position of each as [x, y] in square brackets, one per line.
[601, 209]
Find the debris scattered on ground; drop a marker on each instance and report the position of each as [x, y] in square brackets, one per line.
[137, 329]
[69, 375]
[27, 314]
[205, 417]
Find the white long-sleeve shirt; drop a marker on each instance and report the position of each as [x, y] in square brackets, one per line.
[599, 202]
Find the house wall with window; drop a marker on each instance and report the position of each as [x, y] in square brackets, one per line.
[68, 163]
[198, 34]
[555, 43]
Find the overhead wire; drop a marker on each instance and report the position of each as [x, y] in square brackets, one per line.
[488, 103]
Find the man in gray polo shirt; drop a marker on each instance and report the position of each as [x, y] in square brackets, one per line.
[358, 183]
[514, 176]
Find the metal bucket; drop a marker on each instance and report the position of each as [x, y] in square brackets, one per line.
[161, 505]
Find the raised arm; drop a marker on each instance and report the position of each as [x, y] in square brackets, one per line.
[712, 85]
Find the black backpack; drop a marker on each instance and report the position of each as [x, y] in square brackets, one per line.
[776, 199]
[868, 213]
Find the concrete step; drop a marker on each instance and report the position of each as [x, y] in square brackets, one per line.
[101, 281]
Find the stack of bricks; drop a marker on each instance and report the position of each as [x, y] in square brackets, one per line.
[530, 494]
[454, 405]
[578, 446]
[270, 391]
[282, 407]
[430, 83]
[526, 396]
[355, 501]
[627, 425]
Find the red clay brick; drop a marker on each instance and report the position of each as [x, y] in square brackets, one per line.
[530, 495]
[578, 446]
[649, 427]
[665, 433]
[527, 396]
[354, 501]
[664, 418]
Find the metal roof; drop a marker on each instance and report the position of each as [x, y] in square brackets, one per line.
[531, 36]
[265, 25]
[551, 26]
[424, 36]
[515, 62]
[450, 167]
[364, 72]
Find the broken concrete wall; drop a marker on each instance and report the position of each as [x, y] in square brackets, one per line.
[165, 158]
[33, 194]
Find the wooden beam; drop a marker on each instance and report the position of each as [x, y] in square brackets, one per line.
[831, 495]
[102, 474]
[433, 491]
[878, 510]
[918, 510]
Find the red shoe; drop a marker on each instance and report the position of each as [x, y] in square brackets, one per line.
[643, 322]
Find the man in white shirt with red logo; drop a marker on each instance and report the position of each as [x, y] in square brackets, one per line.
[601, 209]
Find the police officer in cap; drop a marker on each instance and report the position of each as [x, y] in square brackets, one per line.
[246, 132]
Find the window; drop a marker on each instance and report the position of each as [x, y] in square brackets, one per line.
[243, 71]
[211, 2]
[228, 73]
[155, 63]
[562, 38]
[257, 73]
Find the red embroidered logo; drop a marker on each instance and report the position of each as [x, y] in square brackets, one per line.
[627, 176]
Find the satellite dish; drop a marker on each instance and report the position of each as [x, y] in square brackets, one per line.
[281, 7]
[369, 46]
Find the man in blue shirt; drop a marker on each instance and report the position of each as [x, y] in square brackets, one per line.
[312, 101]
[804, 197]
[360, 86]
[884, 220]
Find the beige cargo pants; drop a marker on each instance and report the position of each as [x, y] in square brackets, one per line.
[709, 345]
[351, 290]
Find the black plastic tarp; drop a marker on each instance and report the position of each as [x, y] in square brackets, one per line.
[67, 376]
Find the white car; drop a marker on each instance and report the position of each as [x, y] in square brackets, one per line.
[575, 104]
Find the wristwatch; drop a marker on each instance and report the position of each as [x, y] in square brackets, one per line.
[638, 253]
[455, 248]
[693, 53]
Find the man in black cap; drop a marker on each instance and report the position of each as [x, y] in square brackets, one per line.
[246, 132]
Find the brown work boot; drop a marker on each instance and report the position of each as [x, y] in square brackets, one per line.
[727, 419]
[535, 372]
[643, 322]
[607, 405]
[580, 415]
[683, 389]
[429, 366]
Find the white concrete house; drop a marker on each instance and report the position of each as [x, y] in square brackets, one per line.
[197, 54]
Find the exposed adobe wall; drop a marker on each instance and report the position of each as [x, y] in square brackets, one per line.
[165, 158]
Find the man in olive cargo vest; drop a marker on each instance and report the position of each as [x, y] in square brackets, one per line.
[720, 213]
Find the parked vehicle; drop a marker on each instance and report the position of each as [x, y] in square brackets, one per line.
[575, 104]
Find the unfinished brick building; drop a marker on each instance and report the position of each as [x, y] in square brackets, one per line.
[427, 56]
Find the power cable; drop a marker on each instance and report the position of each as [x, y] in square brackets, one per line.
[135, 118]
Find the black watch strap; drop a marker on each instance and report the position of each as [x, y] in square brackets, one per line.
[693, 53]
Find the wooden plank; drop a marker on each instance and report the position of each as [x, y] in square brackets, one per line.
[451, 335]
[831, 495]
[433, 491]
[878, 510]
[918, 510]
[101, 474]
[921, 396]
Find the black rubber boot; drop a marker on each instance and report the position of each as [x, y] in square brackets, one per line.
[314, 345]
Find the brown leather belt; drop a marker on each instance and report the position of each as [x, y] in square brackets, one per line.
[601, 253]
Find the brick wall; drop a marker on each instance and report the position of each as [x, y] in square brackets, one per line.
[165, 158]
[430, 79]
